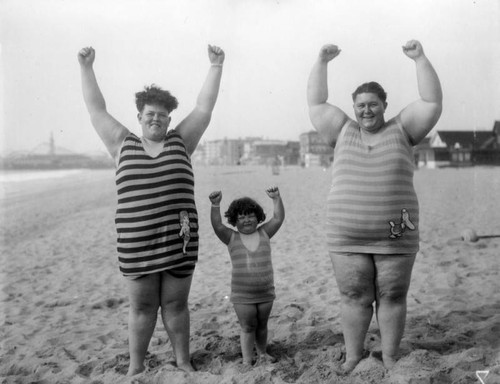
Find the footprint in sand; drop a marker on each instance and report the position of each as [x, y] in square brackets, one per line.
[118, 363]
[292, 312]
[111, 303]
[85, 370]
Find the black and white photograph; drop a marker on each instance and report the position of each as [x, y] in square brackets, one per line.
[249, 191]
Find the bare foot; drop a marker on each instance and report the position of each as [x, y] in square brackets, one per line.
[244, 367]
[266, 358]
[186, 367]
[349, 365]
[135, 371]
[389, 362]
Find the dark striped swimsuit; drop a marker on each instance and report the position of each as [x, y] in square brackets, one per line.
[372, 190]
[151, 194]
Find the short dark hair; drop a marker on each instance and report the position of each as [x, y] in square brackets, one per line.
[244, 206]
[154, 95]
[371, 87]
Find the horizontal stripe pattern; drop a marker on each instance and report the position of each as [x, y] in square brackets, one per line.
[151, 193]
[252, 277]
[371, 186]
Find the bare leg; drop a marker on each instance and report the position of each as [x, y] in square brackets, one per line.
[175, 316]
[263, 312]
[247, 317]
[393, 282]
[355, 279]
[143, 312]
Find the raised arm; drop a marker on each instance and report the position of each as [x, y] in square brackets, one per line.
[272, 226]
[194, 125]
[327, 119]
[419, 117]
[222, 232]
[109, 130]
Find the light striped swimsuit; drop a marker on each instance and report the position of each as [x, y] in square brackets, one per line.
[252, 277]
[151, 194]
[372, 204]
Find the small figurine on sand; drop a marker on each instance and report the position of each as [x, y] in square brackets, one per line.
[185, 232]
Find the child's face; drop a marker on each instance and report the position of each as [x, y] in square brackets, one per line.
[247, 224]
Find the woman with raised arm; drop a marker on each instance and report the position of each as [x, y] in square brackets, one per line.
[373, 213]
[156, 217]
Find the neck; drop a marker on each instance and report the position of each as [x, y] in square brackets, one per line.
[151, 141]
[249, 234]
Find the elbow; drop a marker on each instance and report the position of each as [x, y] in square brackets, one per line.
[437, 110]
[315, 101]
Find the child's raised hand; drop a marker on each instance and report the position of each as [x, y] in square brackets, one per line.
[215, 197]
[273, 192]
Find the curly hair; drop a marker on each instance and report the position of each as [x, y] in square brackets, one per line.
[154, 95]
[244, 206]
[371, 87]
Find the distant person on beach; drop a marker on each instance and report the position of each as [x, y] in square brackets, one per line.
[373, 217]
[252, 280]
[157, 248]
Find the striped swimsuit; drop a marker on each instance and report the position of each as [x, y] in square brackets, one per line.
[372, 204]
[252, 278]
[152, 192]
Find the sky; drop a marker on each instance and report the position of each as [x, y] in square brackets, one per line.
[270, 47]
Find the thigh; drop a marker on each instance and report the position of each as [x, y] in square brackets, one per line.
[354, 273]
[393, 273]
[144, 291]
[247, 314]
[175, 290]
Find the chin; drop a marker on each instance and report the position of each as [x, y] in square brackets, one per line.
[371, 127]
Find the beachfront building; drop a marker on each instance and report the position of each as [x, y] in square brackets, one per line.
[473, 147]
[264, 152]
[314, 151]
[460, 148]
[219, 152]
[246, 151]
[431, 152]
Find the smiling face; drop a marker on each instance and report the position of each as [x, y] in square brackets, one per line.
[247, 224]
[369, 110]
[154, 120]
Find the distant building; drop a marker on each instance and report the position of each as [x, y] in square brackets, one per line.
[292, 153]
[218, 152]
[49, 156]
[314, 151]
[245, 151]
[460, 148]
[265, 151]
[431, 152]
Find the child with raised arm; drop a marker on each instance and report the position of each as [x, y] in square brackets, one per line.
[252, 279]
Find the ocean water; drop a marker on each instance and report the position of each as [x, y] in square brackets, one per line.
[28, 175]
[19, 184]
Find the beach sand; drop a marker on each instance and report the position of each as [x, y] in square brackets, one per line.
[64, 305]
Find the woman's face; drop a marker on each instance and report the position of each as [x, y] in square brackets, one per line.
[154, 120]
[369, 111]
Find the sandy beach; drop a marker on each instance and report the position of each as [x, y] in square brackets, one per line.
[64, 305]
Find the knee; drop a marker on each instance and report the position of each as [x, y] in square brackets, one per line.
[357, 295]
[396, 295]
[144, 307]
[248, 328]
[174, 306]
